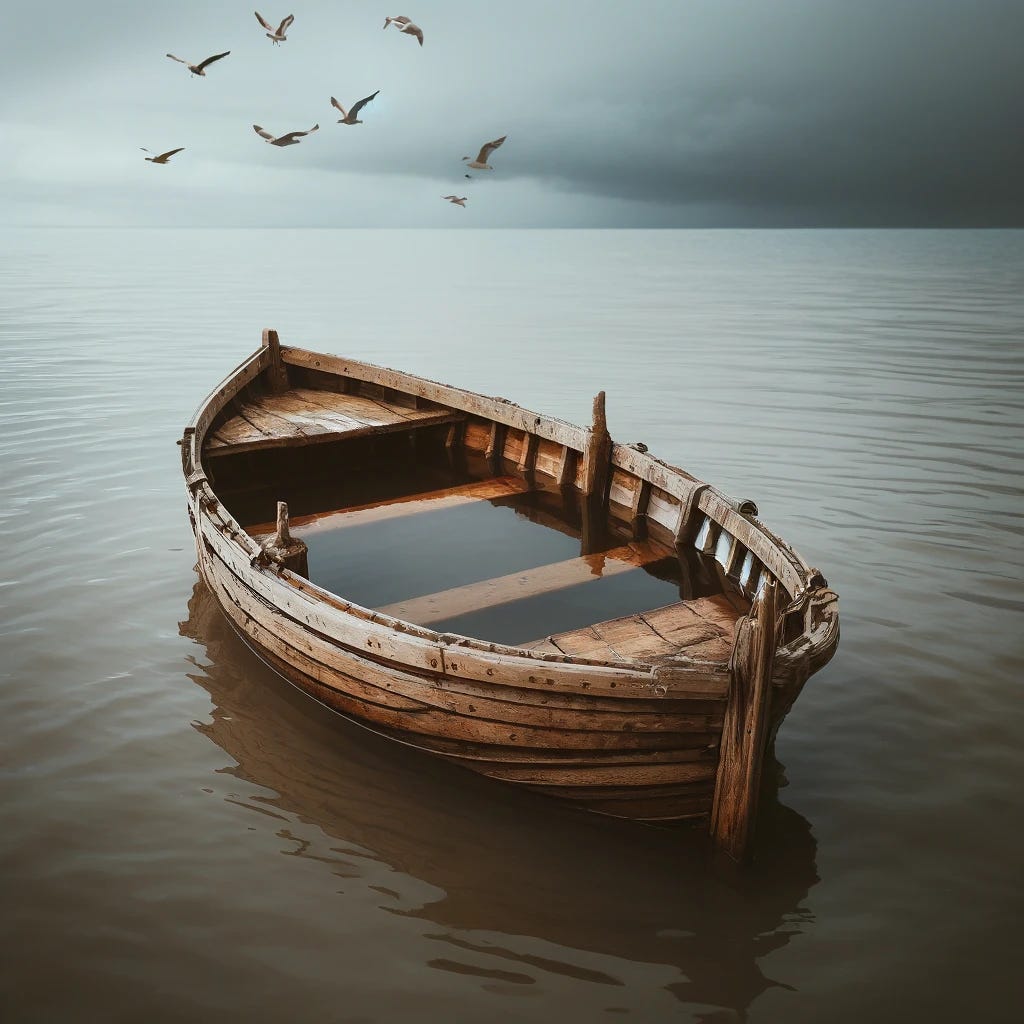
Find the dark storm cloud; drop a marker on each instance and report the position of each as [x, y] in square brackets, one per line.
[659, 112]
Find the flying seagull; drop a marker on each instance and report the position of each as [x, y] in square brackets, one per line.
[456, 200]
[275, 35]
[406, 26]
[163, 157]
[480, 163]
[198, 69]
[291, 139]
[350, 116]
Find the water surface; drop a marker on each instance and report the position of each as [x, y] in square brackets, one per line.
[185, 837]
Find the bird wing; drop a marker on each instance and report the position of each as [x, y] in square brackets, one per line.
[178, 59]
[401, 19]
[169, 153]
[362, 103]
[264, 23]
[335, 103]
[265, 134]
[488, 148]
[210, 60]
[282, 28]
[414, 30]
[291, 136]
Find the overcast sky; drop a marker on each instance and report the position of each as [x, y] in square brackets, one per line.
[632, 113]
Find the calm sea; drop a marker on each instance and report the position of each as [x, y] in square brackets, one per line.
[186, 838]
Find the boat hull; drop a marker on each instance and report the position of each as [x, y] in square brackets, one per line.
[665, 735]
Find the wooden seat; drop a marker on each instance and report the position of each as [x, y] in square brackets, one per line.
[544, 579]
[306, 416]
[702, 628]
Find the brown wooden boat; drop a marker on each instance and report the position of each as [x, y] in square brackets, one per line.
[660, 714]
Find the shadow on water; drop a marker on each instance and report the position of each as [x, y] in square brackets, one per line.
[517, 874]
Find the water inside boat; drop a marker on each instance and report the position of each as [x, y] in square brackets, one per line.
[459, 549]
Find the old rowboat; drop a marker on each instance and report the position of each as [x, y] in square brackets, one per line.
[661, 713]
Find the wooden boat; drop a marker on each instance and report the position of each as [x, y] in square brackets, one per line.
[661, 714]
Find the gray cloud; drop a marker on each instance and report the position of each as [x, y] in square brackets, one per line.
[657, 112]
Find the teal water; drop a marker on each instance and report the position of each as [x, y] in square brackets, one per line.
[186, 838]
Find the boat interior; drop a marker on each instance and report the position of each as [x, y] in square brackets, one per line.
[446, 518]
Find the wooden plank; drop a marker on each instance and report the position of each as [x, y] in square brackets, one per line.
[584, 643]
[387, 639]
[293, 407]
[369, 410]
[497, 703]
[545, 647]
[407, 505]
[477, 436]
[298, 438]
[544, 579]
[746, 728]
[277, 420]
[674, 481]
[623, 490]
[548, 459]
[638, 511]
[490, 408]
[429, 711]
[682, 632]
[346, 672]
[632, 637]
[662, 509]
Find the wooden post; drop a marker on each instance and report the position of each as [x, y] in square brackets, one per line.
[277, 375]
[745, 729]
[287, 551]
[597, 463]
[495, 451]
[597, 454]
[689, 518]
[638, 513]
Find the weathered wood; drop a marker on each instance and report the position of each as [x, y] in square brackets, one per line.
[277, 374]
[285, 550]
[301, 417]
[746, 728]
[406, 505]
[516, 586]
[340, 669]
[447, 714]
[495, 446]
[566, 472]
[387, 639]
[773, 553]
[597, 455]
[638, 511]
[528, 455]
[635, 697]
[689, 517]
[703, 628]
[499, 409]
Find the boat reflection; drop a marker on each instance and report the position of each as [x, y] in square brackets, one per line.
[523, 882]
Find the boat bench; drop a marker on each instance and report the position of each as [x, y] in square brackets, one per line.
[305, 416]
[703, 628]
